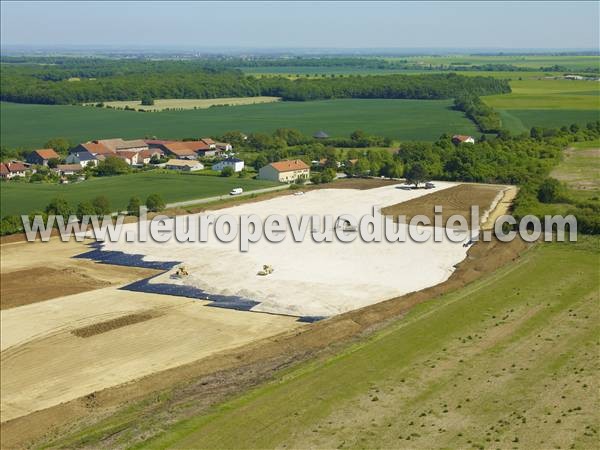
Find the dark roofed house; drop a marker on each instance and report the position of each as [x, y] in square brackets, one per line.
[84, 159]
[42, 156]
[320, 135]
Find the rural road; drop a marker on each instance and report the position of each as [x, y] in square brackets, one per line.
[222, 197]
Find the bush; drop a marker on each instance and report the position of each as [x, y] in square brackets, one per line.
[227, 171]
[112, 166]
[133, 208]
[60, 207]
[155, 203]
[10, 225]
[85, 208]
[101, 205]
[550, 191]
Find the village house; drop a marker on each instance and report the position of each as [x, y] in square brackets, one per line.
[236, 164]
[462, 139]
[68, 169]
[84, 159]
[94, 148]
[185, 165]
[145, 156]
[42, 156]
[285, 171]
[12, 170]
[130, 158]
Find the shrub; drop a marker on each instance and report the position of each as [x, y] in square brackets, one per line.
[155, 203]
[101, 205]
[133, 208]
[227, 171]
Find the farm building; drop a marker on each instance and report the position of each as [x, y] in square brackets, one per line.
[118, 144]
[320, 135]
[181, 164]
[12, 170]
[129, 157]
[462, 139]
[68, 169]
[145, 156]
[84, 159]
[285, 171]
[42, 156]
[92, 147]
[236, 164]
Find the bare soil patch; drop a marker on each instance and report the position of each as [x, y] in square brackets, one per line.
[113, 324]
[35, 272]
[455, 200]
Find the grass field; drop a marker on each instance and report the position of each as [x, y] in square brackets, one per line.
[579, 169]
[508, 361]
[547, 103]
[198, 103]
[23, 198]
[30, 126]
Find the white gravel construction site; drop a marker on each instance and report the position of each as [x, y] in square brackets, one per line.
[309, 278]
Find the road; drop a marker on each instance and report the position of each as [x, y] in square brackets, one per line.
[222, 197]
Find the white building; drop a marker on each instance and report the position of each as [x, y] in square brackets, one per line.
[236, 164]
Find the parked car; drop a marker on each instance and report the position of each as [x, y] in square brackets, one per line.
[429, 185]
[236, 191]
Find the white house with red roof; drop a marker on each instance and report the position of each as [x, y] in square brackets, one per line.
[287, 171]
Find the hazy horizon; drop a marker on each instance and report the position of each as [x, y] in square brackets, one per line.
[309, 26]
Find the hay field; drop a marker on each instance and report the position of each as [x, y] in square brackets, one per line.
[197, 103]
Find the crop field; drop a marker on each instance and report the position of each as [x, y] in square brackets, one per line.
[573, 63]
[579, 170]
[23, 198]
[547, 103]
[29, 126]
[507, 361]
[198, 103]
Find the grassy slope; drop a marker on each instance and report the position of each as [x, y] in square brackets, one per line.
[22, 198]
[579, 170]
[508, 358]
[31, 125]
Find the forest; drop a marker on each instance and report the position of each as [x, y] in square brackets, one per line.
[76, 81]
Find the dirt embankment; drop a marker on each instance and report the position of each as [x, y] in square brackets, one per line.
[194, 387]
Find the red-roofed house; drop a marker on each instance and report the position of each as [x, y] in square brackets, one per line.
[12, 170]
[42, 156]
[287, 171]
[462, 139]
[94, 148]
[130, 158]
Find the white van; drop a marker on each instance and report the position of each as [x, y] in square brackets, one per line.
[236, 191]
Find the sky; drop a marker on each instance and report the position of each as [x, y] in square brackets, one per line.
[338, 24]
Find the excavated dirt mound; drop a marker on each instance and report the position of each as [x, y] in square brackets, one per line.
[113, 324]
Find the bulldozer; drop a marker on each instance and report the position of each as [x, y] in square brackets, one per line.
[181, 272]
[266, 270]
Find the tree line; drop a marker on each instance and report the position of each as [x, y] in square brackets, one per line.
[55, 85]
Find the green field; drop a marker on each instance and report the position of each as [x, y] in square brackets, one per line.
[572, 63]
[29, 126]
[507, 361]
[23, 198]
[580, 169]
[548, 103]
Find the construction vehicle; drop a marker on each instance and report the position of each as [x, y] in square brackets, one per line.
[266, 270]
[181, 272]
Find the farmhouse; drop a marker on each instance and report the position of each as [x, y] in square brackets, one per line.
[12, 170]
[68, 169]
[320, 135]
[285, 171]
[118, 144]
[145, 156]
[181, 164]
[462, 139]
[129, 157]
[236, 164]
[92, 147]
[42, 156]
[179, 150]
[84, 159]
